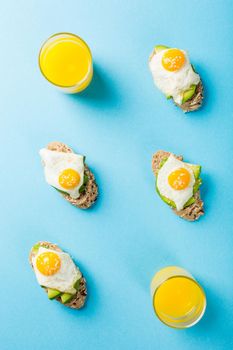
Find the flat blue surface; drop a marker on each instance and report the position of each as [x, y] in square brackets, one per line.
[117, 123]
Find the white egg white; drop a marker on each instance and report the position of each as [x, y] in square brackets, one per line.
[173, 83]
[55, 162]
[179, 197]
[64, 279]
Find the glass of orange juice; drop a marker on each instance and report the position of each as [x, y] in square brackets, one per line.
[178, 300]
[65, 60]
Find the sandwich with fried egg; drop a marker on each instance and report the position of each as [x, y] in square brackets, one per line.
[176, 77]
[58, 275]
[68, 173]
[177, 184]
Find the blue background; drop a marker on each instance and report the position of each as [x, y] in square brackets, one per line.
[117, 123]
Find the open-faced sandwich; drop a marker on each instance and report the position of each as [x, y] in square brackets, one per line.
[68, 173]
[58, 275]
[175, 76]
[177, 183]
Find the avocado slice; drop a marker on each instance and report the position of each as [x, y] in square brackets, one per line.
[66, 298]
[197, 184]
[35, 248]
[85, 181]
[77, 284]
[159, 48]
[189, 93]
[190, 201]
[163, 161]
[196, 170]
[53, 293]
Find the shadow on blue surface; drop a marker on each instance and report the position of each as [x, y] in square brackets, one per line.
[101, 92]
[211, 320]
[92, 302]
[210, 95]
[208, 191]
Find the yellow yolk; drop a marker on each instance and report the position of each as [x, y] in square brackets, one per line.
[48, 263]
[179, 179]
[178, 297]
[173, 60]
[69, 179]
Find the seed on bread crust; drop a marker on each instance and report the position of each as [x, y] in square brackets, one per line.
[193, 211]
[89, 196]
[80, 297]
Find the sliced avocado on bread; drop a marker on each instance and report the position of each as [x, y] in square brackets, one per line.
[74, 301]
[88, 192]
[193, 208]
[53, 293]
[192, 97]
[66, 298]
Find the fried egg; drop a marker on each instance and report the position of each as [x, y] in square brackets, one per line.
[55, 270]
[175, 181]
[64, 171]
[173, 73]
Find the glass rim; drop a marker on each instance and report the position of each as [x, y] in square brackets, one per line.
[41, 70]
[202, 311]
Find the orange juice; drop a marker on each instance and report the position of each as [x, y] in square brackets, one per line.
[178, 300]
[66, 61]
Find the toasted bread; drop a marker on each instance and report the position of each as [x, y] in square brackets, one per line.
[89, 196]
[79, 299]
[193, 211]
[195, 101]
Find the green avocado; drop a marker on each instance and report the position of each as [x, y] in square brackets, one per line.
[85, 181]
[35, 248]
[196, 170]
[197, 184]
[159, 48]
[66, 298]
[53, 293]
[77, 284]
[188, 93]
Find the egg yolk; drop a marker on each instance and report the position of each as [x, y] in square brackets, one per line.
[69, 179]
[173, 60]
[179, 179]
[48, 263]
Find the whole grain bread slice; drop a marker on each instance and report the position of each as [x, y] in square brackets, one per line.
[80, 297]
[89, 196]
[193, 211]
[195, 102]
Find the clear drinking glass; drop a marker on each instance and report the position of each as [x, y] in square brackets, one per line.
[65, 60]
[178, 300]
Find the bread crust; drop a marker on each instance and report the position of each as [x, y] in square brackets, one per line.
[193, 211]
[193, 103]
[80, 297]
[89, 196]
